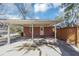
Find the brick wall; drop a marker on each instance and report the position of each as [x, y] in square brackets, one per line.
[48, 32]
[27, 33]
[36, 31]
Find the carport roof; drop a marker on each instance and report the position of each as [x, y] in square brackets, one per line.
[29, 22]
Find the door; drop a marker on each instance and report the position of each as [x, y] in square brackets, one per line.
[41, 30]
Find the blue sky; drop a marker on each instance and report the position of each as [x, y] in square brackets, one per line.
[35, 11]
[49, 12]
[45, 11]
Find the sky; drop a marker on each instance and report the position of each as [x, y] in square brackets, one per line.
[42, 11]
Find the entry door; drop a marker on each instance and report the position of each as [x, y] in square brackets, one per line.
[41, 30]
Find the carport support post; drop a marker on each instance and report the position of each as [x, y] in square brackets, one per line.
[8, 34]
[32, 32]
[55, 34]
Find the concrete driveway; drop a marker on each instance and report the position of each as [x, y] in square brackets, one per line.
[59, 49]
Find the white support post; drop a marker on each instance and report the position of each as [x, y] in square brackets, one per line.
[55, 34]
[32, 32]
[8, 35]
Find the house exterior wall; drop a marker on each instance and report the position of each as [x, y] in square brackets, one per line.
[48, 32]
[36, 31]
[26, 32]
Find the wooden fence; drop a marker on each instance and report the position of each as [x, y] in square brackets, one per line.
[69, 35]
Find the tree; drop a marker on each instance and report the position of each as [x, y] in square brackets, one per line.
[22, 9]
[71, 13]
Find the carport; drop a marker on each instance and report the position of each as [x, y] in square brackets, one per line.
[32, 23]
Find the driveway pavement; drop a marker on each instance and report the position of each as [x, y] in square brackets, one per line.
[59, 49]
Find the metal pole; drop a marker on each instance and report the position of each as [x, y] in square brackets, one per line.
[55, 34]
[8, 35]
[32, 32]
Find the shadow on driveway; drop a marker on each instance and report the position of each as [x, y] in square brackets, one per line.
[66, 49]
